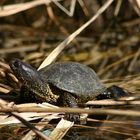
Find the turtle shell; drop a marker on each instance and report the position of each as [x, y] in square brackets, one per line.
[74, 78]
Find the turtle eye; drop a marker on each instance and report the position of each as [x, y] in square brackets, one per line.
[16, 64]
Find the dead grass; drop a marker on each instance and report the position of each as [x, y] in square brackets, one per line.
[114, 53]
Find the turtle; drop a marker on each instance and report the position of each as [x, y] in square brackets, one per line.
[69, 83]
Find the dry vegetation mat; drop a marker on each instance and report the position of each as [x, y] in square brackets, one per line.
[101, 34]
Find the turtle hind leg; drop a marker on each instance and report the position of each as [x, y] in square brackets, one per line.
[113, 92]
[117, 92]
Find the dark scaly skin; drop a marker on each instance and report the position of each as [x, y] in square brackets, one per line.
[39, 86]
[33, 86]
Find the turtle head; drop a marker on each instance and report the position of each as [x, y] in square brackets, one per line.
[31, 79]
[27, 75]
[24, 72]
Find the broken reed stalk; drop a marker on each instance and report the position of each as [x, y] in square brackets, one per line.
[29, 125]
[4, 104]
[71, 110]
[54, 54]
[113, 102]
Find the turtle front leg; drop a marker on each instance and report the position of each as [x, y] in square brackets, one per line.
[70, 101]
